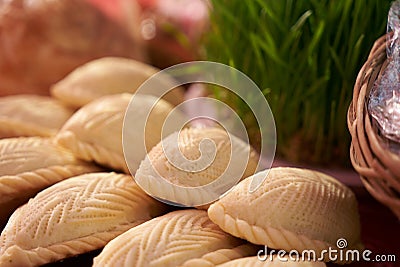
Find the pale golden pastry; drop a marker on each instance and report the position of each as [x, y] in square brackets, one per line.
[192, 158]
[112, 75]
[75, 216]
[31, 115]
[94, 132]
[169, 240]
[30, 164]
[292, 209]
[276, 262]
[221, 256]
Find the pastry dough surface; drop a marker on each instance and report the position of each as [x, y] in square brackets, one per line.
[221, 256]
[94, 132]
[107, 76]
[31, 115]
[292, 209]
[73, 217]
[169, 240]
[30, 164]
[200, 159]
[255, 262]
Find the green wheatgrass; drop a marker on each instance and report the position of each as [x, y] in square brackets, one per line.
[305, 56]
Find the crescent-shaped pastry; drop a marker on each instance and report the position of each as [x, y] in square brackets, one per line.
[169, 240]
[112, 75]
[276, 262]
[31, 115]
[75, 216]
[30, 164]
[94, 132]
[196, 157]
[221, 256]
[292, 209]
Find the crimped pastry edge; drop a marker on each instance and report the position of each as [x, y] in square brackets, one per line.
[267, 236]
[43, 176]
[92, 152]
[15, 256]
[14, 128]
[221, 256]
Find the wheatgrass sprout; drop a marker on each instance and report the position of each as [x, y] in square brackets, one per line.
[305, 56]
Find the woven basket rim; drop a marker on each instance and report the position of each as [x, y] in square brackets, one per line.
[378, 167]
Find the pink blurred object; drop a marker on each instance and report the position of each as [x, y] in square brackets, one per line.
[111, 8]
[189, 16]
[171, 29]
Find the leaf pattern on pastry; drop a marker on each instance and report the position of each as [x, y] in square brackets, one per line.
[31, 115]
[33, 152]
[94, 133]
[185, 159]
[30, 164]
[220, 256]
[111, 75]
[169, 240]
[73, 217]
[276, 262]
[189, 141]
[292, 209]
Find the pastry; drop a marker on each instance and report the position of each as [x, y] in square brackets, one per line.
[112, 75]
[94, 132]
[292, 209]
[31, 115]
[195, 166]
[276, 262]
[221, 256]
[169, 240]
[74, 216]
[30, 164]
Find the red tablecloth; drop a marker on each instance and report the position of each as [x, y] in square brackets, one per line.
[380, 230]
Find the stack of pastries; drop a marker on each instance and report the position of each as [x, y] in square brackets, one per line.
[66, 188]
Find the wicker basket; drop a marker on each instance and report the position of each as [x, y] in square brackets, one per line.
[378, 167]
